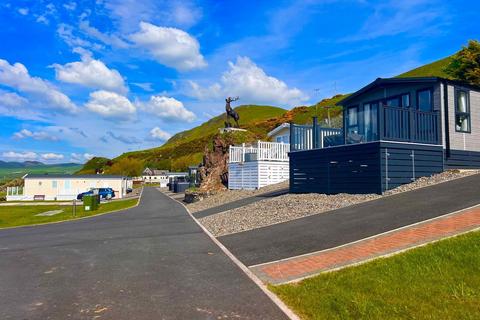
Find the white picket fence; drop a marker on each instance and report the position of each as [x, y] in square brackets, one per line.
[261, 151]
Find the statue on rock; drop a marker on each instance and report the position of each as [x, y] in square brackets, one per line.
[230, 112]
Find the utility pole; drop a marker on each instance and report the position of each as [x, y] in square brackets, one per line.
[316, 92]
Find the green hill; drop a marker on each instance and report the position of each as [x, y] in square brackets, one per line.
[434, 69]
[94, 164]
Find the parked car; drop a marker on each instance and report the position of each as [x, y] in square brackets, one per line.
[105, 193]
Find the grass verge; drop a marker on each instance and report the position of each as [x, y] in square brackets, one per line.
[15, 216]
[438, 281]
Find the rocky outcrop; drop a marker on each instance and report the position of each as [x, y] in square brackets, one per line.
[214, 169]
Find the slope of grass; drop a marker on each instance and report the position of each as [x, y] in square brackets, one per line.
[92, 165]
[434, 69]
[14, 216]
[320, 110]
[438, 281]
[248, 115]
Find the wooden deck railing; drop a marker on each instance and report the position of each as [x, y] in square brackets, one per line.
[263, 151]
[410, 125]
[304, 137]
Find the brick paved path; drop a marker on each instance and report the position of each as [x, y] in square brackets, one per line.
[363, 250]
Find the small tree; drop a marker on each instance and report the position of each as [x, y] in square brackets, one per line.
[465, 65]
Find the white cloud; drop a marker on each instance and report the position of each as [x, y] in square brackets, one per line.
[213, 91]
[43, 19]
[37, 135]
[147, 86]
[167, 108]
[12, 155]
[391, 18]
[245, 79]
[79, 157]
[169, 46]
[158, 134]
[70, 6]
[123, 138]
[52, 156]
[23, 11]
[109, 39]
[110, 105]
[16, 76]
[128, 13]
[90, 73]
[65, 32]
[11, 99]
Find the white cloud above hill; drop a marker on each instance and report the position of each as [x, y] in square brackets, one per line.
[247, 80]
[169, 46]
[110, 105]
[167, 108]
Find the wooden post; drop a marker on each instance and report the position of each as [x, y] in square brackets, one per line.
[243, 152]
[413, 125]
[315, 144]
[381, 120]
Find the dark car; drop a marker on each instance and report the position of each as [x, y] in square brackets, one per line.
[105, 193]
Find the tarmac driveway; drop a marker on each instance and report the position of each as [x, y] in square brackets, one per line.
[149, 262]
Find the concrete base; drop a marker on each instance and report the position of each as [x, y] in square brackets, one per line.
[225, 130]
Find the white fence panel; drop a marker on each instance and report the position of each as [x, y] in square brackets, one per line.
[256, 174]
[269, 151]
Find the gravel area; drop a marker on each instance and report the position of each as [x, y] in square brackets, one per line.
[232, 195]
[293, 206]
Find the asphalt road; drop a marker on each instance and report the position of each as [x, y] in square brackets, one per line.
[328, 230]
[149, 262]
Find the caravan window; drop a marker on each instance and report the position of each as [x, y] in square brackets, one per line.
[462, 111]
[406, 100]
[424, 100]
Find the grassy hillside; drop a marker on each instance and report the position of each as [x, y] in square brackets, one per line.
[434, 69]
[93, 165]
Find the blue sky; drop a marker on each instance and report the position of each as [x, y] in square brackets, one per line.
[84, 78]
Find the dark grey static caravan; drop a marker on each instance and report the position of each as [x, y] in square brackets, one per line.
[395, 131]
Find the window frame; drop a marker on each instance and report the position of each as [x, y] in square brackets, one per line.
[409, 100]
[357, 107]
[469, 112]
[417, 107]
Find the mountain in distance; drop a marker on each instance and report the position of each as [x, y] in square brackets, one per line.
[31, 164]
[12, 170]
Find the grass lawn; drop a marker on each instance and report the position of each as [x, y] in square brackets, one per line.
[438, 281]
[14, 216]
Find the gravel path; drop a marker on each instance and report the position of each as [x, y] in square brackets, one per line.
[233, 195]
[293, 206]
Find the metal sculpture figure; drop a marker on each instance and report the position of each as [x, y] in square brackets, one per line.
[230, 112]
